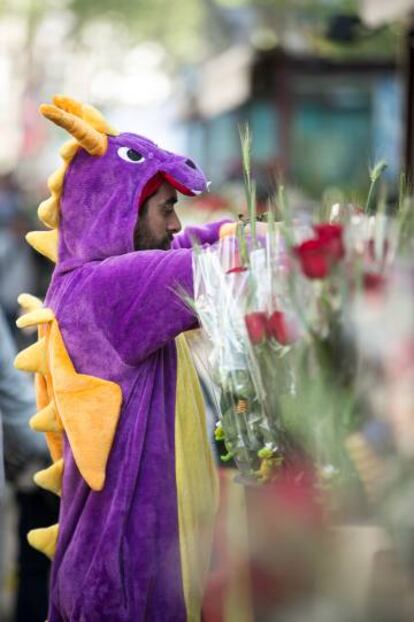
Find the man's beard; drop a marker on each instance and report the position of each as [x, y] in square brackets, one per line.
[144, 240]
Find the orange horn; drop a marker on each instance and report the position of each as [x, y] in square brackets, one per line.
[90, 139]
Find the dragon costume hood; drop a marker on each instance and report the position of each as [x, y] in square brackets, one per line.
[94, 225]
[104, 227]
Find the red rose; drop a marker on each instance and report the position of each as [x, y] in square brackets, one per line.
[256, 324]
[313, 259]
[331, 236]
[318, 255]
[282, 328]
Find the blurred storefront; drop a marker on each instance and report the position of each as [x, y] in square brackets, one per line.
[319, 122]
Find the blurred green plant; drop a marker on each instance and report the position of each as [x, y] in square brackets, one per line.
[193, 29]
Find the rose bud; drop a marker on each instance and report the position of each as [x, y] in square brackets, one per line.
[313, 258]
[256, 324]
[331, 236]
[282, 328]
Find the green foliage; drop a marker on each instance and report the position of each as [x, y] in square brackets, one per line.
[177, 26]
[249, 184]
[309, 7]
[192, 29]
[374, 175]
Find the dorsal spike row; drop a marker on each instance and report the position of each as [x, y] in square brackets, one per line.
[45, 242]
[44, 539]
[46, 420]
[35, 317]
[51, 478]
[89, 129]
[48, 210]
[33, 358]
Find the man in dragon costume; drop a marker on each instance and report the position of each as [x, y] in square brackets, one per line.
[117, 394]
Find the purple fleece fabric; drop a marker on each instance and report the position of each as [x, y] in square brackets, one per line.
[118, 556]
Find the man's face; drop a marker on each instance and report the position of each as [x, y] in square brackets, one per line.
[157, 222]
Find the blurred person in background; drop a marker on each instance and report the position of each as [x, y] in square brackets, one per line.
[17, 264]
[24, 453]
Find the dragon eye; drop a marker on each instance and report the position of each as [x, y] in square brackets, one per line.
[130, 155]
[190, 163]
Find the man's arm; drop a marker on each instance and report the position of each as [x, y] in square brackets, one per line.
[138, 300]
[204, 234]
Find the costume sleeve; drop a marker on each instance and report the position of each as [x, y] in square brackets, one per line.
[138, 300]
[205, 234]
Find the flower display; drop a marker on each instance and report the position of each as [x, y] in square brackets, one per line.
[311, 323]
[279, 308]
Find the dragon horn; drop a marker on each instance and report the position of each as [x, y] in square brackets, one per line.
[90, 139]
[86, 112]
[68, 104]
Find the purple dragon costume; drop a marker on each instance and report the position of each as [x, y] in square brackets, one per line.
[117, 394]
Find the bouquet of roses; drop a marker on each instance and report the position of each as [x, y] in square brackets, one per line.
[279, 306]
[224, 291]
[311, 321]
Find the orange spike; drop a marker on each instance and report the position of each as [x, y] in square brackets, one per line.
[33, 358]
[36, 317]
[44, 242]
[29, 302]
[48, 212]
[51, 478]
[44, 539]
[101, 403]
[46, 420]
[55, 180]
[68, 149]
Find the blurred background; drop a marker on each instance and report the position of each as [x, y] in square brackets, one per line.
[321, 83]
[325, 85]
